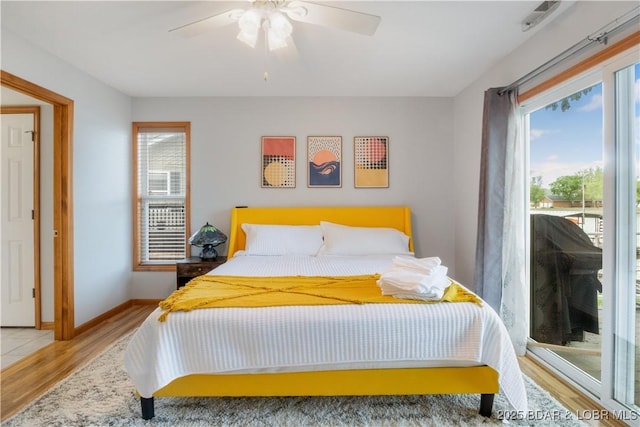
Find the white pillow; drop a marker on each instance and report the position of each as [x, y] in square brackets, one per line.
[268, 239]
[346, 240]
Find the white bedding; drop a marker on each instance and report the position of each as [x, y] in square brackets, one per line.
[293, 338]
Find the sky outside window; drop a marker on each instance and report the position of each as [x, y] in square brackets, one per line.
[566, 142]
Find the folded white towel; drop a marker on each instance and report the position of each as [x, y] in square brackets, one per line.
[422, 297]
[423, 265]
[415, 278]
[397, 281]
[410, 280]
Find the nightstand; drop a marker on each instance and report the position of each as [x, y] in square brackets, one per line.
[189, 268]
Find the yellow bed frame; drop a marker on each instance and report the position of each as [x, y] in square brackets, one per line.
[397, 381]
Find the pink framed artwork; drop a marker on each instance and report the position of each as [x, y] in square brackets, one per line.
[278, 161]
[371, 158]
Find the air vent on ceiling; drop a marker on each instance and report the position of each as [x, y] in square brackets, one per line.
[543, 10]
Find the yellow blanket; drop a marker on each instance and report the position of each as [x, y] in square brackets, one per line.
[242, 291]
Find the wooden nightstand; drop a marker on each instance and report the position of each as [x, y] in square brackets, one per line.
[189, 268]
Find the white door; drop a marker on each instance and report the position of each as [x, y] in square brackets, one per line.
[16, 228]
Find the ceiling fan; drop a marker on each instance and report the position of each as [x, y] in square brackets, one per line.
[272, 17]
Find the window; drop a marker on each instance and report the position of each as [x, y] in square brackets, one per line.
[584, 170]
[159, 182]
[161, 194]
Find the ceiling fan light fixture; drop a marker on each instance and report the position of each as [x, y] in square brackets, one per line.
[248, 38]
[275, 41]
[279, 30]
[280, 25]
[249, 23]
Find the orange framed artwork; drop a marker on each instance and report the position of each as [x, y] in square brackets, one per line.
[371, 158]
[278, 159]
[324, 161]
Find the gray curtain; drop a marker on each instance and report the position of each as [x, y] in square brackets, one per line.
[500, 251]
[495, 124]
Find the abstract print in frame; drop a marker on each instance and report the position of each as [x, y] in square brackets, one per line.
[278, 161]
[324, 161]
[371, 155]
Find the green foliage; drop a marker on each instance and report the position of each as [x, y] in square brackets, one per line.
[567, 187]
[565, 103]
[536, 192]
[593, 183]
[571, 187]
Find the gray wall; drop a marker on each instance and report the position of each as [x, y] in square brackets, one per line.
[225, 160]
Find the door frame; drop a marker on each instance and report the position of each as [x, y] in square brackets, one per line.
[35, 111]
[63, 284]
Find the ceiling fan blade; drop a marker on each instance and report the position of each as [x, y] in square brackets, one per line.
[330, 16]
[205, 24]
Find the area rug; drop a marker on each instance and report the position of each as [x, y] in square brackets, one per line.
[101, 394]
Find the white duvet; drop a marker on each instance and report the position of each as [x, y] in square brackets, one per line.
[294, 338]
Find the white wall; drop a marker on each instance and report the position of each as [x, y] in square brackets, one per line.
[101, 175]
[575, 24]
[225, 160]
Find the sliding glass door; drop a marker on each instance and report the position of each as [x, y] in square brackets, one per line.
[624, 249]
[567, 217]
[584, 168]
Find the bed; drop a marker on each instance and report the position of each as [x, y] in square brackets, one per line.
[338, 351]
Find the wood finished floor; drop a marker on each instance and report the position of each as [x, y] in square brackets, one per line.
[29, 378]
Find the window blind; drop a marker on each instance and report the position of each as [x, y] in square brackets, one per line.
[161, 194]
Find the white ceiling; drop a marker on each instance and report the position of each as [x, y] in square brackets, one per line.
[421, 48]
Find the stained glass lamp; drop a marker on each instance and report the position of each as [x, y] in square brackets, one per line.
[208, 237]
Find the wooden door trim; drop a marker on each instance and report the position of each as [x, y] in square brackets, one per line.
[35, 110]
[62, 199]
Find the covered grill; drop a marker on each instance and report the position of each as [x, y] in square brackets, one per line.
[564, 280]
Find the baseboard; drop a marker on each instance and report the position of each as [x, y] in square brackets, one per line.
[49, 326]
[104, 316]
[108, 314]
[145, 301]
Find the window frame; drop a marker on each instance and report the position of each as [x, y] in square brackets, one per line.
[138, 265]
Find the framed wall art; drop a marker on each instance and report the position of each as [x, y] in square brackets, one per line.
[371, 158]
[278, 161]
[324, 161]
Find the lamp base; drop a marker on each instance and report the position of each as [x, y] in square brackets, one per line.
[208, 253]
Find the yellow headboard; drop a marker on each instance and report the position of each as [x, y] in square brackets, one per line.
[398, 217]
